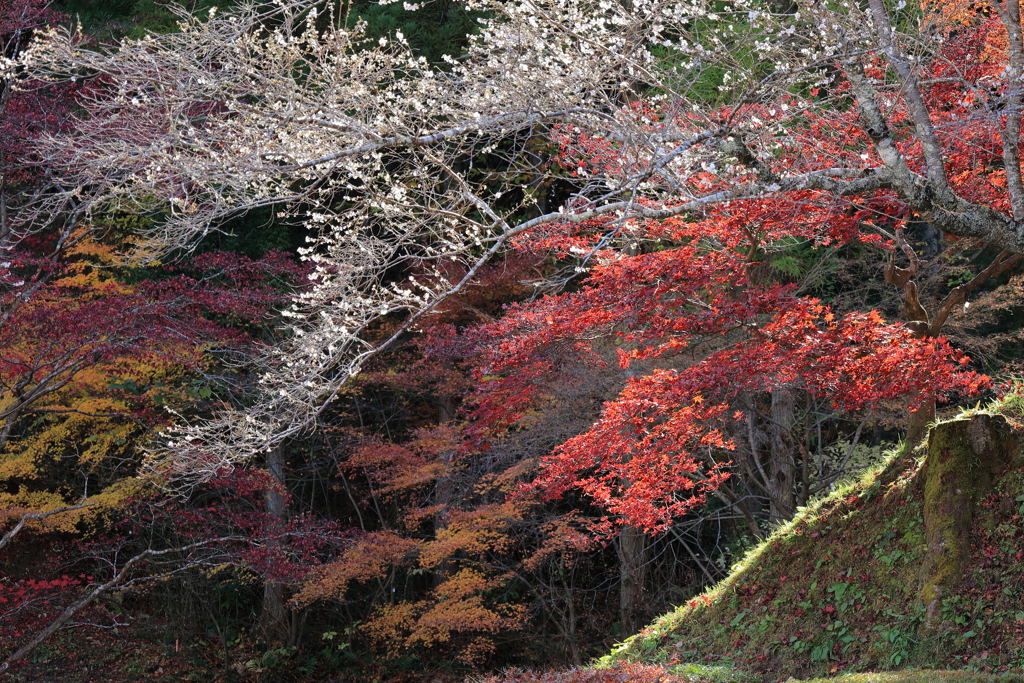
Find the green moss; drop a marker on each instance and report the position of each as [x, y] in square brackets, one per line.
[948, 490]
[965, 456]
[699, 673]
[918, 676]
[1010, 405]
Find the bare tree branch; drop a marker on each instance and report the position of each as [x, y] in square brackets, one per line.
[374, 149]
[71, 610]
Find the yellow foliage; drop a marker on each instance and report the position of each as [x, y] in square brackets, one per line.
[79, 436]
[476, 532]
[413, 518]
[92, 434]
[18, 465]
[89, 267]
[79, 423]
[391, 622]
[13, 506]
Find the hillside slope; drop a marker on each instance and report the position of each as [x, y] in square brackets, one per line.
[919, 564]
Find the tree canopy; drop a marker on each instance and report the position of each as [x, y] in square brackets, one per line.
[868, 117]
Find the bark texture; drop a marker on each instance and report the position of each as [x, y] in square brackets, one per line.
[633, 556]
[275, 620]
[782, 469]
[918, 421]
[965, 457]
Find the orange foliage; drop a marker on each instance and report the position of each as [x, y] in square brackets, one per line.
[475, 532]
[460, 609]
[399, 468]
[564, 537]
[952, 15]
[365, 560]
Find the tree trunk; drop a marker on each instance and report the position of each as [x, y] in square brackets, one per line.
[633, 552]
[964, 458]
[918, 421]
[782, 468]
[274, 619]
[445, 486]
[445, 408]
[571, 639]
[633, 549]
[919, 322]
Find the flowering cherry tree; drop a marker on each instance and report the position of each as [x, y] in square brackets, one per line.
[856, 117]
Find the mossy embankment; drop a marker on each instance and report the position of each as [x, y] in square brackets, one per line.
[920, 564]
